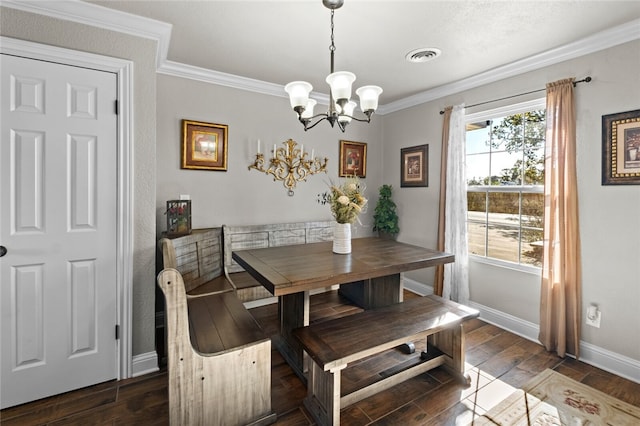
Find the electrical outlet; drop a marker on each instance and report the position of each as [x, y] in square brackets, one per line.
[185, 196]
[594, 319]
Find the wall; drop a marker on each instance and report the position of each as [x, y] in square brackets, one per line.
[240, 196]
[37, 28]
[609, 225]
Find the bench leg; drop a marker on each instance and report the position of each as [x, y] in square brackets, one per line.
[452, 343]
[323, 395]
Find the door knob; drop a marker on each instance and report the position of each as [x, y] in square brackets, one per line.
[3, 251]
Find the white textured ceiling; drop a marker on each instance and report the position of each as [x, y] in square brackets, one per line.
[281, 41]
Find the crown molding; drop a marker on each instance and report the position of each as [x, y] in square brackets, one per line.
[102, 17]
[216, 77]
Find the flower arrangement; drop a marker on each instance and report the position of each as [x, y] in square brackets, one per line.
[346, 200]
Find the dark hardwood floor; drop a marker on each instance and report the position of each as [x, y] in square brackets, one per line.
[498, 362]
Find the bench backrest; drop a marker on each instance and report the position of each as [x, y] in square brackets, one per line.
[198, 256]
[272, 235]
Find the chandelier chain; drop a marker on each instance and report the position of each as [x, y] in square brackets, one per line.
[333, 46]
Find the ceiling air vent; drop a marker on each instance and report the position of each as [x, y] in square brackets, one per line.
[423, 54]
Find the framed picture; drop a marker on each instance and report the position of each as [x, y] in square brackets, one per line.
[414, 166]
[621, 148]
[353, 159]
[204, 146]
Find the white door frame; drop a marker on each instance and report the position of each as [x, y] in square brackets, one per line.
[124, 257]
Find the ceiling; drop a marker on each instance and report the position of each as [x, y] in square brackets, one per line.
[281, 41]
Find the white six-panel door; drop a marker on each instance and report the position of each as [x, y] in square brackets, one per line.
[58, 211]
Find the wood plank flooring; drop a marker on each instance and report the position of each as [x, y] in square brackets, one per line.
[497, 360]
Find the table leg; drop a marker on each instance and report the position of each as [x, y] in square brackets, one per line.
[374, 292]
[293, 312]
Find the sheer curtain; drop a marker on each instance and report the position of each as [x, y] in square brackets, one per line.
[455, 284]
[438, 282]
[560, 296]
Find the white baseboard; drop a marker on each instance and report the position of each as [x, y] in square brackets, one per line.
[416, 287]
[610, 361]
[594, 355]
[144, 364]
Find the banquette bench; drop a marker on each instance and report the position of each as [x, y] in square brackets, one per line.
[263, 236]
[204, 258]
[334, 344]
[219, 360]
[198, 257]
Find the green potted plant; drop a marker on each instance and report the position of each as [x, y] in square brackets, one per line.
[385, 218]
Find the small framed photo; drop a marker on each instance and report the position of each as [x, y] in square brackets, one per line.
[414, 166]
[621, 148]
[353, 159]
[204, 146]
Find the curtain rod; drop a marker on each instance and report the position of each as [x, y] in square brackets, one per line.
[584, 80]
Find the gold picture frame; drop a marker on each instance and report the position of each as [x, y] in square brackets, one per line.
[204, 146]
[621, 148]
[414, 166]
[353, 159]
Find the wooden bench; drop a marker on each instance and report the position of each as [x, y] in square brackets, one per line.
[333, 345]
[262, 236]
[204, 260]
[198, 258]
[219, 360]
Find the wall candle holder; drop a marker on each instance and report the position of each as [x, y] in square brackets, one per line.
[289, 164]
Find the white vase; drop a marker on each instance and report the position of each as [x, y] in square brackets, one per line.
[342, 238]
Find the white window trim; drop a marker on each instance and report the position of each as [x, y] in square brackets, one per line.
[521, 267]
[540, 103]
[490, 114]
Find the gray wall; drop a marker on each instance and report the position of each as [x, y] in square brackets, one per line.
[240, 196]
[37, 28]
[609, 215]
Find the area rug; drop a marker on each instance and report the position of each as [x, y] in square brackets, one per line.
[554, 399]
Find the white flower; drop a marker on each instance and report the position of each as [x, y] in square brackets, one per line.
[351, 187]
[343, 199]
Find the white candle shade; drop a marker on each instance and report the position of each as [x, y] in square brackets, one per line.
[369, 97]
[340, 83]
[298, 93]
[308, 111]
[347, 112]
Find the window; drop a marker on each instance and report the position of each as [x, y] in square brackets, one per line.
[505, 183]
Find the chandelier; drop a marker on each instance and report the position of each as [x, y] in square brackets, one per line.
[341, 107]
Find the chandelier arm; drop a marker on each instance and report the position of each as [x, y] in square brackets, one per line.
[363, 120]
[324, 116]
[307, 127]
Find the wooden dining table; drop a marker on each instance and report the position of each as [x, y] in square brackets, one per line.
[370, 276]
